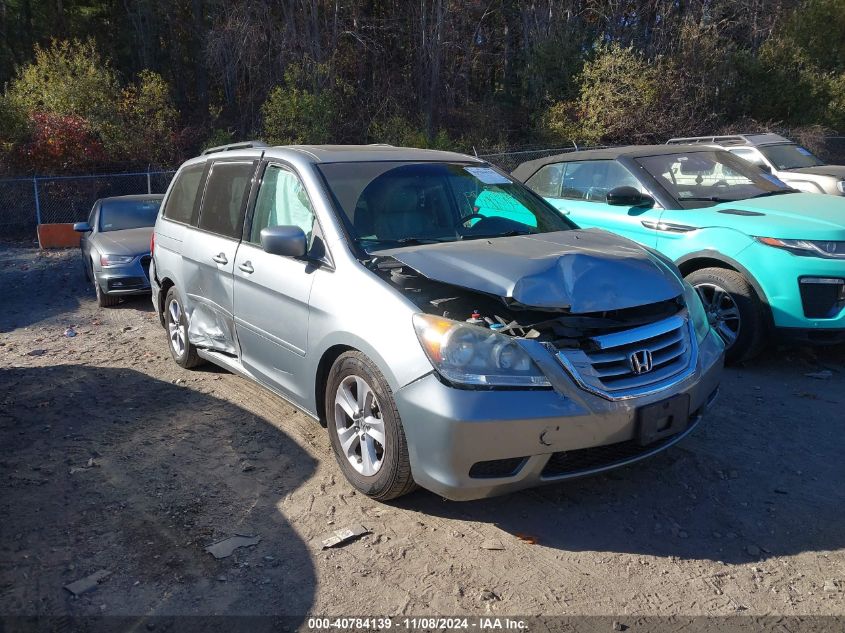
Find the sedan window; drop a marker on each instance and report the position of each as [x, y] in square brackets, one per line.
[697, 178]
[591, 180]
[547, 180]
[118, 215]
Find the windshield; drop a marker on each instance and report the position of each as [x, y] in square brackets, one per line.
[699, 178]
[117, 215]
[790, 156]
[390, 204]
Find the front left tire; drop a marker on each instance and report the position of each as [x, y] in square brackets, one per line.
[365, 429]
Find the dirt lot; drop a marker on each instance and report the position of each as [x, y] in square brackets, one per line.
[113, 458]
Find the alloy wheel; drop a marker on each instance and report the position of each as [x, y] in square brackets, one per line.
[722, 311]
[360, 427]
[176, 329]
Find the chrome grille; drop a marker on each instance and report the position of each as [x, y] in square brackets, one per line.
[607, 369]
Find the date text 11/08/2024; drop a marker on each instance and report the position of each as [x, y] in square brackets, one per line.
[421, 623]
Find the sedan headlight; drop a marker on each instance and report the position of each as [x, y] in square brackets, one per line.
[813, 248]
[115, 260]
[471, 355]
[696, 312]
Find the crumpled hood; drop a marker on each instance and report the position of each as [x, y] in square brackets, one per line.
[788, 216]
[125, 242]
[835, 171]
[579, 270]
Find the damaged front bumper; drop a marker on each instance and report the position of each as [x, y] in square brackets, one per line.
[470, 444]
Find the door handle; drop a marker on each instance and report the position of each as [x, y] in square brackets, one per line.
[220, 258]
[247, 268]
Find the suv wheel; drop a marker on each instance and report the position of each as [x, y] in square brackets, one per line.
[365, 430]
[176, 323]
[734, 309]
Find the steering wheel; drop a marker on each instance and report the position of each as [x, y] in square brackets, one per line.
[469, 217]
[721, 183]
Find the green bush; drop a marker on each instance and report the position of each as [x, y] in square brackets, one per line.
[618, 91]
[294, 114]
[147, 121]
[68, 78]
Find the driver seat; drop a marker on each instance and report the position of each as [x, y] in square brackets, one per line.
[400, 216]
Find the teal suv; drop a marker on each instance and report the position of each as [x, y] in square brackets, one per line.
[762, 256]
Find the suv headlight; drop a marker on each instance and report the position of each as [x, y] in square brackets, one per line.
[813, 248]
[115, 260]
[470, 355]
[696, 312]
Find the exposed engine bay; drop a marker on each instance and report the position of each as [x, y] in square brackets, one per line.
[557, 327]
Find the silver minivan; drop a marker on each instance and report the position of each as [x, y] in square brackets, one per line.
[450, 328]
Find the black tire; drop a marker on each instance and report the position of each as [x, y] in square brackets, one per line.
[393, 478]
[104, 300]
[188, 357]
[753, 322]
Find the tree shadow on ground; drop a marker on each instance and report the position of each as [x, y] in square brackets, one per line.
[105, 468]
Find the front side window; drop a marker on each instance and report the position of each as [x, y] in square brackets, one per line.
[591, 180]
[183, 194]
[390, 204]
[710, 176]
[790, 156]
[281, 201]
[225, 198]
[117, 215]
[547, 180]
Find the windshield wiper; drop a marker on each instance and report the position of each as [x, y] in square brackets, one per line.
[774, 193]
[413, 241]
[707, 199]
[487, 236]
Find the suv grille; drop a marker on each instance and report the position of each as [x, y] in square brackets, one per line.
[665, 354]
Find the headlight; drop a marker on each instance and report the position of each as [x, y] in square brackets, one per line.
[471, 355]
[841, 186]
[696, 312]
[813, 248]
[115, 260]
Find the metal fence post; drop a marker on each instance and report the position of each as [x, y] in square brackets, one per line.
[37, 200]
[149, 184]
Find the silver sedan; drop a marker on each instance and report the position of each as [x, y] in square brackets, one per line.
[115, 245]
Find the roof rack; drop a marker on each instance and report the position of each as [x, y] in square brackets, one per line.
[233, 146]
[727, 139]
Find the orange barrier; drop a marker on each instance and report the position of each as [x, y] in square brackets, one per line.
[57, 236]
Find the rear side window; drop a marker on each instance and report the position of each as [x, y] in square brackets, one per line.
[183, 195]
[546, 182]
[225, 198]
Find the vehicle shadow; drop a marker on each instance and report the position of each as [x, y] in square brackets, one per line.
[111, 469]
[760, 478]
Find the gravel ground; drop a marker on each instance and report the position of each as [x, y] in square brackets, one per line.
[113, 458]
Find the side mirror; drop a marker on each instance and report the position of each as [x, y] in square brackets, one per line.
[82, 227]
[628, 197]
[764, 168]
[287, 241]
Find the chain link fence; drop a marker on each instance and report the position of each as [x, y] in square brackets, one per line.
[26, 202]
